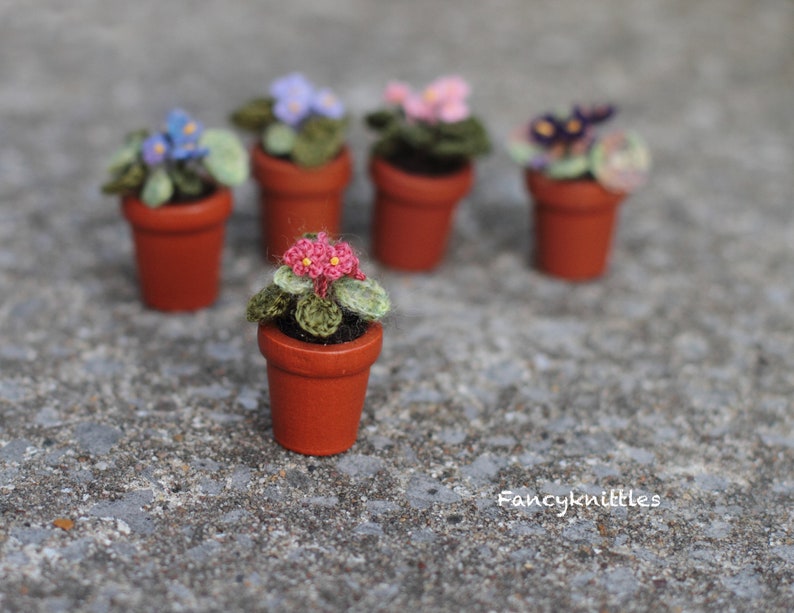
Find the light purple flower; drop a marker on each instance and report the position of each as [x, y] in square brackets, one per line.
[292, 110]
[292, 86]
[326, 104]
[155, 149]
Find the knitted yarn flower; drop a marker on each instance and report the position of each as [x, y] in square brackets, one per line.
[564, 146]
[321, 286]
[430, 130]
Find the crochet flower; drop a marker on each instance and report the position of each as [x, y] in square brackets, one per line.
[155, 149]
[595, 113]
[544, 130]
[292, 110]
[326, 104]
[396, 92]
[291, 86]
[184, 132]
[452, 88]
[322, 261]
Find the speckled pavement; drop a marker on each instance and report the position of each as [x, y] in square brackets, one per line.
[137, 467]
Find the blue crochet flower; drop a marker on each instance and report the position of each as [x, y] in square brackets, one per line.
[292, 110]
[184, 133]
[155, 149]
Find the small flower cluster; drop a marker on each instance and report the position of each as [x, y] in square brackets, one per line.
[319, 294]
[442, 100]
[295, 99]
[428, 132]
[179, 141]
[322, 261]
[297, 122]
[565, 146]
[181, 163]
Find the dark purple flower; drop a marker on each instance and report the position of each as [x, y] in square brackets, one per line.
[572, 128]
[545, 130]
[595, 113]
[155, 149]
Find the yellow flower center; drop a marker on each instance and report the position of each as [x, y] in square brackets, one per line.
[159, 148]
[574, 125]
[545, 128]
[306, 262]
[189, 128]
[334, 261]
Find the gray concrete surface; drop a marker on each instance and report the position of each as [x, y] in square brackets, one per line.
[672, 376]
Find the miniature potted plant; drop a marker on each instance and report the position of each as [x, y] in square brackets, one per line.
[319, 332]
[301, 161]
[175, 192]
[577, 179]
[421, 166]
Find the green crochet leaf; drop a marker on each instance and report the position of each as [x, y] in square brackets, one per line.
[367, 298]
[290, 282]
[569, 167]
[254, 115]
[124, 156]
[186, 181]
[278, 139]
[227, 160]
[318, 316]
[269, 303]
[158, 188]
[318, 141]
[128, 180]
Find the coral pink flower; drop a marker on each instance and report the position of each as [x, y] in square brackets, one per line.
[322, 261]
[452, 111]
[396, 92]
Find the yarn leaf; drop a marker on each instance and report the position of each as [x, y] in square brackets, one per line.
[291, 283]
[269, 303]
[255, 115]
[158, 188]
[128, 180]
[227, 160]
[278, 139]
[318, 316]
[366, 298]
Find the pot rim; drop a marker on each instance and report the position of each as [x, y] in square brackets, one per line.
[183, 217]
[570, 195]
[315, 360]
[422, 190]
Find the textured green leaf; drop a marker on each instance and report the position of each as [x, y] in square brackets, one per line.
[254, 115]
[318, 316]
[290, 282]
[186, 181]
[278, 139]
[569, 167]
[129, 180]
[227, 160]
[367, 298]
[158, 188]
[267, 304]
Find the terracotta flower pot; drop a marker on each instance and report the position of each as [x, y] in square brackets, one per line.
[297, 200]
[178, 249]
[574, 223]
[413, 214]
[317, 391]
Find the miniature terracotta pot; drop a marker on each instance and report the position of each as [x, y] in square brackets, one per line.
[178, 249]
[317, 391]
[413, 214]
[574, 223]
[297, 200]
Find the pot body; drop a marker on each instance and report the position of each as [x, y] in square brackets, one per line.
[297, 200]
[178, 249]
[413, 215]
[574, 224]
[317, 391]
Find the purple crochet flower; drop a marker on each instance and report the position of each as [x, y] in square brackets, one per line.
[573, 128]
[326, 104]
[292, 110]
[291, 86]
[188, 150]
[545, 130]
[596, 113]
[155, 149]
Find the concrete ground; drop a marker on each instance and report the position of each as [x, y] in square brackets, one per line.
[138, 471]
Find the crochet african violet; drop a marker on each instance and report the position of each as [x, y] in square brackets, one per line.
[320, 294]
[430, 131]
[298, 121]
[566, 146]
[180, 163]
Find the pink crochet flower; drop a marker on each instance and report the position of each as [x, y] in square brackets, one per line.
[452, 111]
[452, 88]
[396, 92]
[322, 261]
[417, 108]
